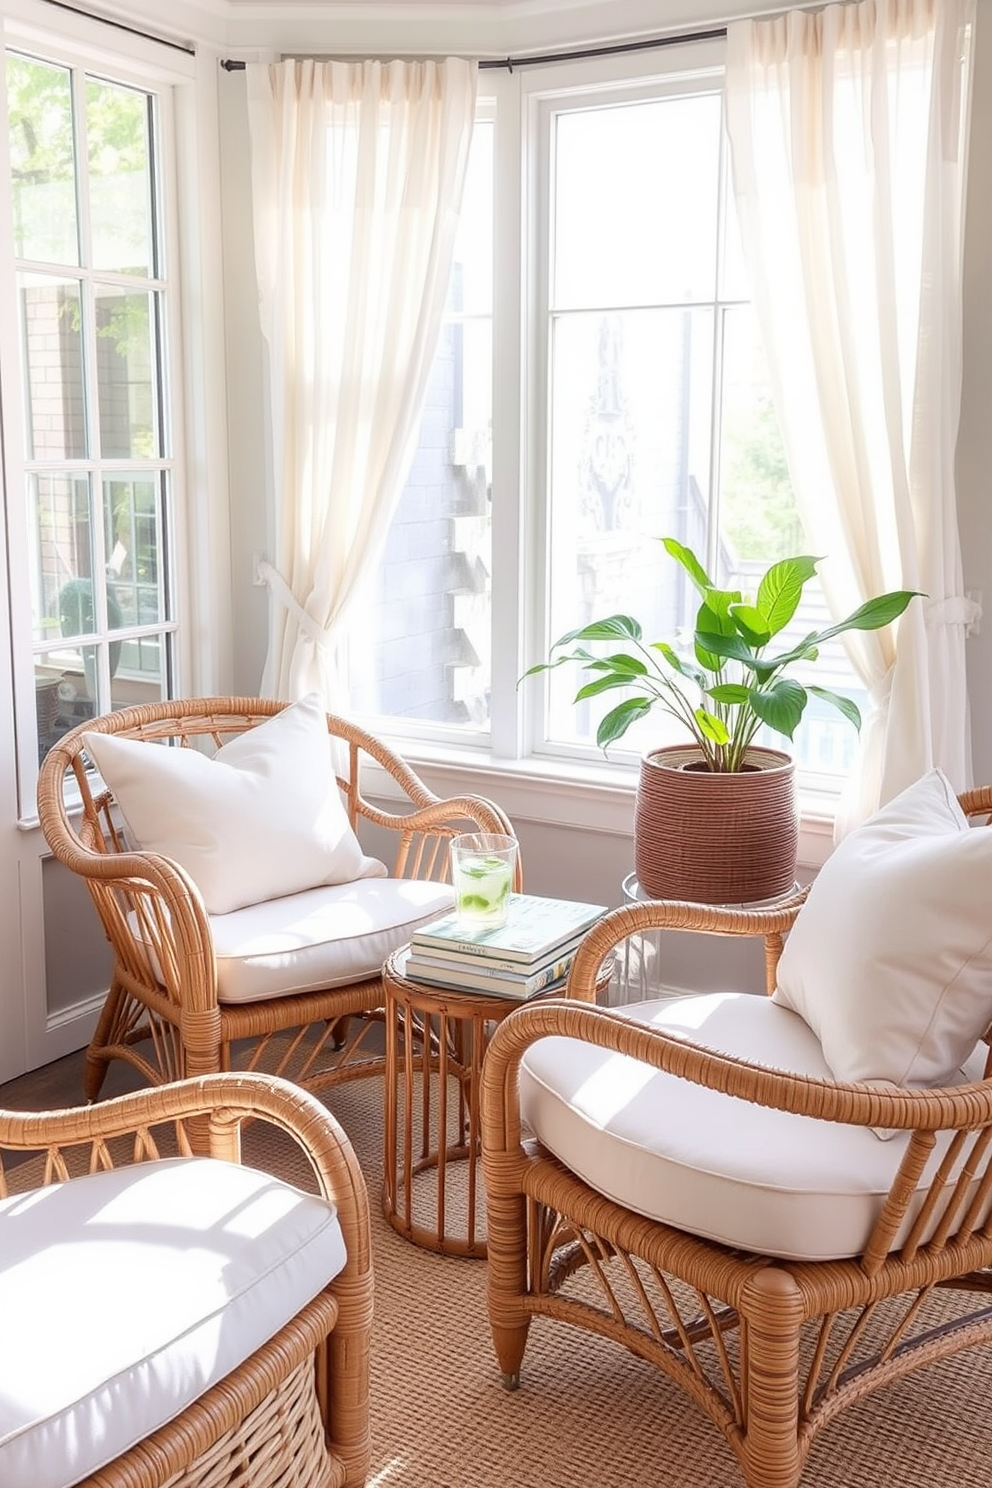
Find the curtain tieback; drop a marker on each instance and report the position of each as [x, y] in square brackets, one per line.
[880, 692]
[957, 609]
[274, 579]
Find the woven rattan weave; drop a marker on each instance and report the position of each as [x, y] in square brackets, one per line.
[297, 1411]
[162, 1012]
[771, 1350]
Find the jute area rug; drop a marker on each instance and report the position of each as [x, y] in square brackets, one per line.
[588, 1414]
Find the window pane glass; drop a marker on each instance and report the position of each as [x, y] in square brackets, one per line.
[661, 420]
[132, 543]
[119, 179]
[630, 462]
[759, 525]
[61, 698]
[42, 157]
[758, 514]
[63, 552]
[126, 374]
[52, 334]
[422, 649]
[635, 203]
[142, 672]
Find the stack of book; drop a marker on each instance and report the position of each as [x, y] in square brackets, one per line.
[529, 954]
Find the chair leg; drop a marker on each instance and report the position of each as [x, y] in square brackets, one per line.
[97, 1063]
[343, 1380]
[772, 1315]
[506, 1281]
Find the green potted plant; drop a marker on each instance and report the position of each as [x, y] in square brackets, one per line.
[715, 819]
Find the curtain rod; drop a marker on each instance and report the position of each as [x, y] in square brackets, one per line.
[612, 50]
[177, 46]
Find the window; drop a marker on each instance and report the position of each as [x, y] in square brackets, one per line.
[660, 420]
[92, 287]
[644, 411]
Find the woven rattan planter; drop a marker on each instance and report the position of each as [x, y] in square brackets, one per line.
[715, 839]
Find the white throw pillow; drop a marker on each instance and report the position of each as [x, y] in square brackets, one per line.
[890, 958]
[263, 817]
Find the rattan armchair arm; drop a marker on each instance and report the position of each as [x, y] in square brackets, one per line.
[769, 924]
[953, 1108]
[460, 812]
[220, 1105]
[425, 832]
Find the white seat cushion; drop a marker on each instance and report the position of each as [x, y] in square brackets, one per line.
[125, 1295]
[325, 937]
[724, 1169]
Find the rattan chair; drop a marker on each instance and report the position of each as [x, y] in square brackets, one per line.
[772, 1348]
[167, 1012]
[139, 1291]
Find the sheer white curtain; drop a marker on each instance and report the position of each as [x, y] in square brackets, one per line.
[357, 175]
[847, 129]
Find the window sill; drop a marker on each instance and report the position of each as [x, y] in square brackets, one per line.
[574, 796]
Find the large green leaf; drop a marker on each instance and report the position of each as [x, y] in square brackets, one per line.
[874, 613]
[781, 589]
[677, 664]
[618, 720]
[711, 727]
[615, 627]
[781, 706]
[689, 562]
[581, 655]
[846, 705]
[624, 664]
[730, 648]
[602, 684]
[751, 624]
[806, 650]
[731, 693]
[714, 612]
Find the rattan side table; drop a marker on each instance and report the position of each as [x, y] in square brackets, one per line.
[435, 1041]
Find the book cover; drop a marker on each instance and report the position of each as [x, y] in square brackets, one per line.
[448, 956]
[535, 927]
[480, 977]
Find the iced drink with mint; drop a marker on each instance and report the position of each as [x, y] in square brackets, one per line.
[482, 867]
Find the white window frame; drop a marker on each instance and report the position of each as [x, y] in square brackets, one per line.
[188, 180]
[561, 787]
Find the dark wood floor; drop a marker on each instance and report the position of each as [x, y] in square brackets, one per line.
[60, 1084]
